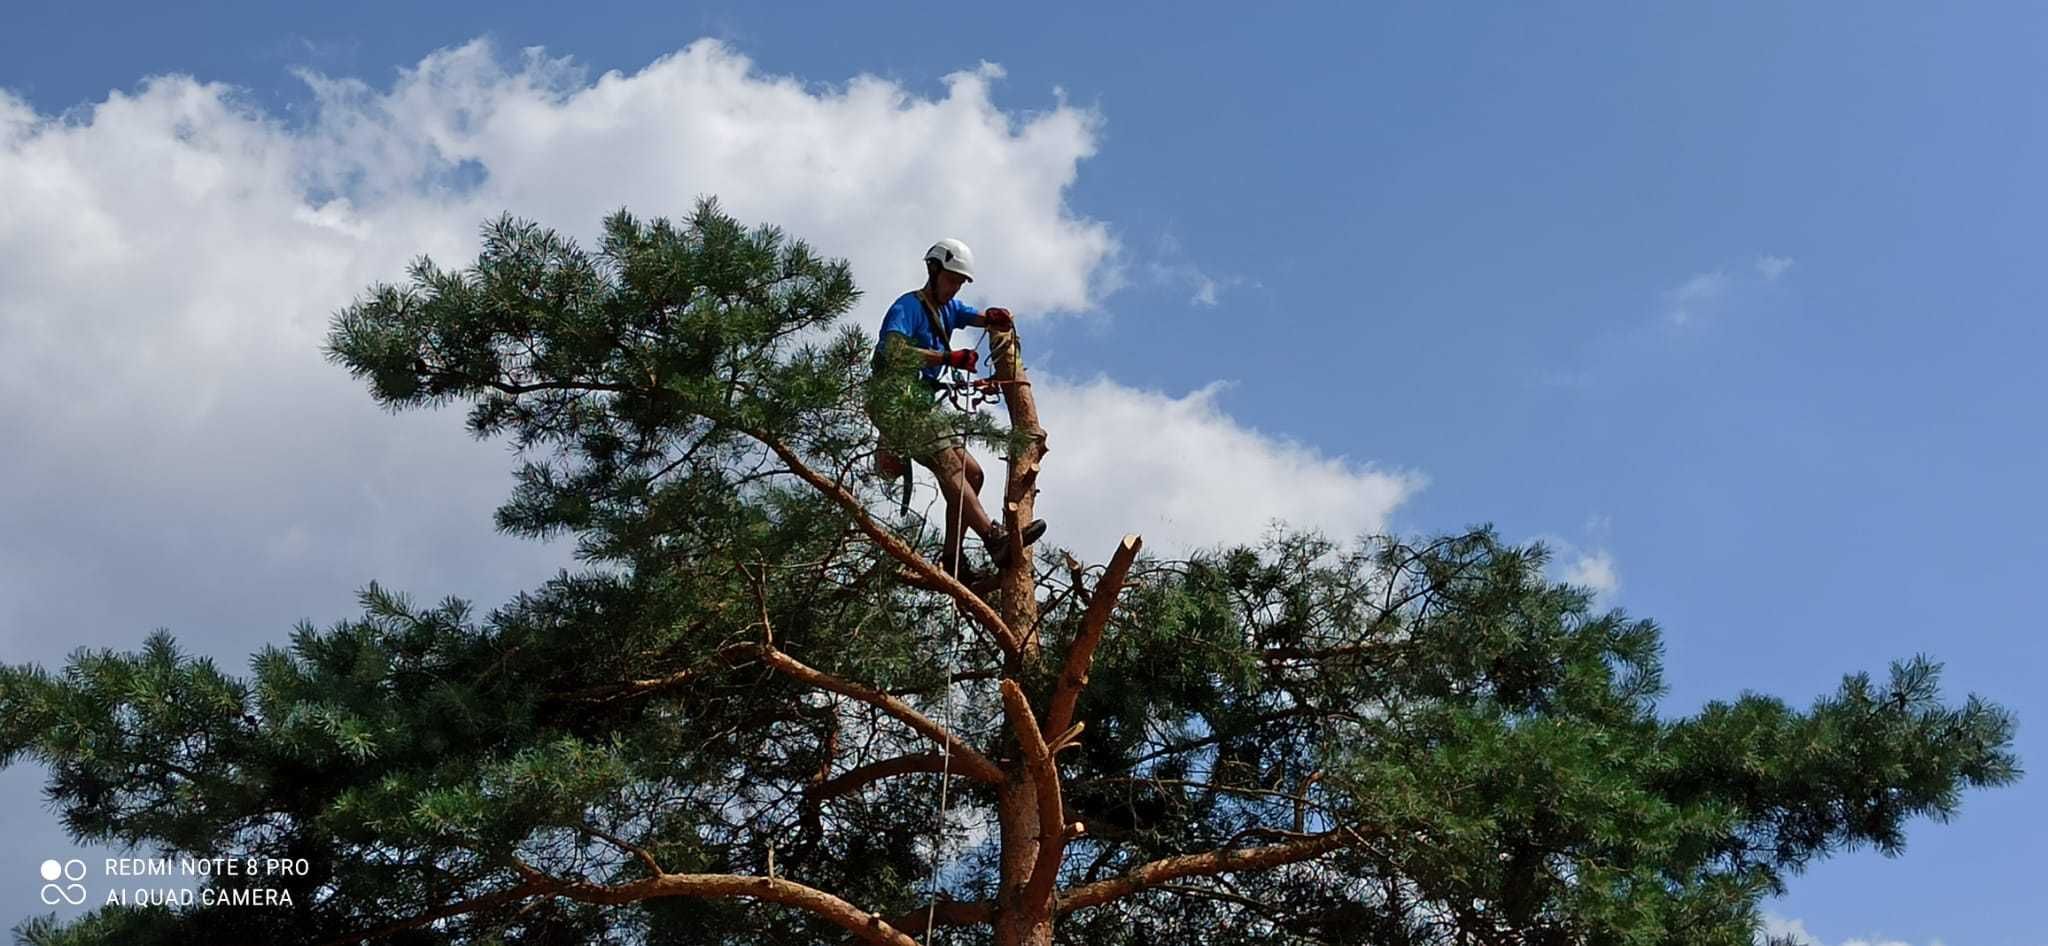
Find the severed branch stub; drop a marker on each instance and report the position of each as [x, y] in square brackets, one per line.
[1074, 675]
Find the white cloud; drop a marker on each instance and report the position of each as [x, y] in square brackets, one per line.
[1202, 288]
[1591, 566]
[1695, 297]
[1705, 294]
[1595, 571]
[1186, 476]
[1170, 268]
[1777, 926]
[171, 258]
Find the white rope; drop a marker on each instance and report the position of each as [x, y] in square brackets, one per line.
[931, 932]
[959, 549]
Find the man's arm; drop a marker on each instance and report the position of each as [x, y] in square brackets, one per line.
[964, 358]
[993, 317]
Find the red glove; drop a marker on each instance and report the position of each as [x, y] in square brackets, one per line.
[965, 359]
[997, 318]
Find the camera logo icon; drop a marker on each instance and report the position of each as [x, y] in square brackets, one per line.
[72, 893]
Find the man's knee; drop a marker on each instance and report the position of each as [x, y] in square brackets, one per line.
[946, 462]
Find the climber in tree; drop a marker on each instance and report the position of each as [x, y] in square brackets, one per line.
[918, 330]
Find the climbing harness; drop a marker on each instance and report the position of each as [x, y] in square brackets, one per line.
[966, 393]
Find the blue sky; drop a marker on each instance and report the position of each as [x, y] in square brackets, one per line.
[1736, 301]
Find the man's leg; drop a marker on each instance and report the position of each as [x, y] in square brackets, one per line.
[959, 477]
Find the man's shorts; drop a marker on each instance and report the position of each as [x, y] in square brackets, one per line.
[888, 460]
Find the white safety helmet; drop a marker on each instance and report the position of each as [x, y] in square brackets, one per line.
[953, 255]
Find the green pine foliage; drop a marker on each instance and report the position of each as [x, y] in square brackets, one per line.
[1488, 746]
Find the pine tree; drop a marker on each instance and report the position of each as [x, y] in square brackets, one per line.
[729, 725]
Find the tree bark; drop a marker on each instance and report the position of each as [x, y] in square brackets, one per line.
[1021, 919]
[1018, 921]
[1018, 585]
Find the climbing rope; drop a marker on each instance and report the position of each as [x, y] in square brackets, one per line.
[966, 395]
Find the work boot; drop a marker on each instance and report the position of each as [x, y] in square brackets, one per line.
[1000, 546]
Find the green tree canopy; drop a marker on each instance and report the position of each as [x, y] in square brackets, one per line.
[728, 725]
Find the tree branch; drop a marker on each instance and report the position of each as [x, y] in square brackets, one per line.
[422, 366]
[1264, 719]
[532, 887]
[1074, 676]
[607, 692]
[866, 926]
[629, 847]
[944, 913]
[857, 778]
[1052, 838]
[970, 762]
[931, 575]
[1167, 870]
[1264, 910]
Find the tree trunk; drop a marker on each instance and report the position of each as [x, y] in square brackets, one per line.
[1017, 922]
[1018, 586]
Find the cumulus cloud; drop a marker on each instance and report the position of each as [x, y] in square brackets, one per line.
[173, 256]
[183, 456]
[1595, 572]
[1181, 472]
[1588, 564]
[1778, 927]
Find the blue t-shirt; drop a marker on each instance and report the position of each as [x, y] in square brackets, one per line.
[907, 317]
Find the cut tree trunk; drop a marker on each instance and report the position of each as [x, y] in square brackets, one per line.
[1018, 585]
[1018, 922]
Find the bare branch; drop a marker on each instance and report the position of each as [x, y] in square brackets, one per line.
[930, 574]
[970, 762]
[1074, 676]
[631, 688]
[1265, 719]
[944, 912]
[1167, 870]
[868, 927]
[629, 847]
[531, 887]
[1301, 801]
[857, 778]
